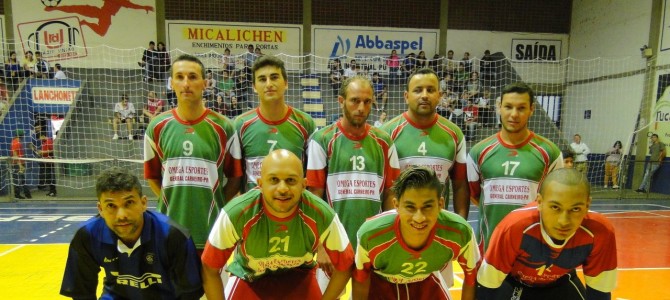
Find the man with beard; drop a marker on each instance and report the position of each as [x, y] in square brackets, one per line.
[424, 138]
[351, 164]
[505, 169]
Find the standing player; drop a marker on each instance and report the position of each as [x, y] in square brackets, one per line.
[192, 155]
[505, 169]
[273, 124]
[424, 138]
[403, 251]
[351, 164]
[535, 250]
[274, 231]
[145, 255]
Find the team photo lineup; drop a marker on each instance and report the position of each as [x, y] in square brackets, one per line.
[254, 150]
[310, 209]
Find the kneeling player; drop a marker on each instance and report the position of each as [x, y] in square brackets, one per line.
[400, 252]
[274, 231]
[534, 250]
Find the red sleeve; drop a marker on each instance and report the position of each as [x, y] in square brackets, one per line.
[361, 275]
[215, 258]
[152, 169]
[459, 172]
[342, 261]
[233, 167]
[316, 178]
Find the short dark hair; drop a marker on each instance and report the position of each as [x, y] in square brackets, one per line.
[566, 176]
[422, 71]
[117, 179]
[268, 60]
[654, 135]
[345, 85]
[152, 43]
[191, 58]
[568, 154]
[57, 66]
[416, 177]
[519, 88]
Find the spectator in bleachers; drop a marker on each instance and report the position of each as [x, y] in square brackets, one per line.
[351, 71]
[148, 61]
[473, 86]
[58, 72]
[219, 105]
[42, 67]
[486, 69]
[421, 60]
[243, 90]
[170, 94]
[612, 165]
[484, 102]
[210, 84]
[381, 92]
[335, 76]
[409, 65]
[258, 53]
[447, 82]
[235, 109]
[435, 64]
[381, 120]
[471, 118]
[227, 61]
[227, 83]
[450, 63]
[152, 108]
[19, 166]
[4, 96]
[124, 112]
[28, 64]
[461, 77]
[250, 57]
[393, 63]
[13, 72]
[467, 62]
[162, 61]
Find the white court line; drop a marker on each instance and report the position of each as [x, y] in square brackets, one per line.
[12, 250]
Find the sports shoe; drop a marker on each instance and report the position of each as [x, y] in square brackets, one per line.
[615, 187]
[29, 196]
[640, 191]
[115, 137]
[51, 194]
[19, 197]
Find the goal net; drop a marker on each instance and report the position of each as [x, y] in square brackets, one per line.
[600, 99]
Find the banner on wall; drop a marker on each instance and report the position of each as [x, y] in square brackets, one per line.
[210, 39]
[536, 50]
[665, 31]
[371, 45]
[62, 29]
[661, 112]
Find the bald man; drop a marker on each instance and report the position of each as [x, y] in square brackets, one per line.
[274, 231]
[535, 250]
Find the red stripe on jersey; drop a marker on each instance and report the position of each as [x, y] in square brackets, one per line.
[246, 124]
[311, 224]
[214, 257]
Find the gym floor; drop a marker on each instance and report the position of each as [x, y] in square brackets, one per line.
[35, 237]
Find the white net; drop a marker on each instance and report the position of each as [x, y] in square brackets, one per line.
[575, 96]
